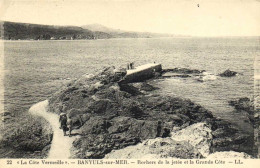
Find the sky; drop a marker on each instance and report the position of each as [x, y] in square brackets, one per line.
[184, 17]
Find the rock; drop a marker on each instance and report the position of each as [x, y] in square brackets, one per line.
[120, 73]
[246, 108]
[229, 155]
[228, 73]
[116, 118]
[133, 110]
[171, 74]
[199, 135]
[244, 104]
[173, 109]
[183, 71]
[182, 76]
[156, 149]
[111, 99]
[129, 88]
[143, 86]
[101, 135]
[25, 135]
[110, 74]
[110, 116]
[229, 137]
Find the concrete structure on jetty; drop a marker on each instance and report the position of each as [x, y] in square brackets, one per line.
[141, 73]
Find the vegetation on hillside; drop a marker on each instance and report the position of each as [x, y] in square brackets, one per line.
[27, 31]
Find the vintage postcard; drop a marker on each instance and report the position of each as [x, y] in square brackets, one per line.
[129, 83]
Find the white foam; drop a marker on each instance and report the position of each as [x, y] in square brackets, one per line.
[207, 77]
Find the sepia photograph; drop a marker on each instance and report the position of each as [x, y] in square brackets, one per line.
[109, 81]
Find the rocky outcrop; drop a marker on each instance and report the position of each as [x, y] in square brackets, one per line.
[144, 87]
[228, 137]
[194, 74]
[215, 135]
[195, 142]
[156, 149]
[183, 71]
[197, 139]
[245, 107]
[111, 116]
[228, 73]
[100, 135]
[243, 104]
[25, 137]
[198, 135]
[170, 74]
[180, 72]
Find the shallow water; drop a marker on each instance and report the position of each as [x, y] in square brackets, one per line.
[36, 69]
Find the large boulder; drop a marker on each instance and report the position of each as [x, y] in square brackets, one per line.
[156, 149]
[199, 135]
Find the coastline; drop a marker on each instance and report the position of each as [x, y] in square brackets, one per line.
[111, 117]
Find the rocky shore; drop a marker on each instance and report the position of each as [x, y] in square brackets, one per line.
[24, 136]
[109, 117]
[115, 120]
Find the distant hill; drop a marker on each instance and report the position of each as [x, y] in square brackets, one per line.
[118, 33]
[101, 28]
[27, 31]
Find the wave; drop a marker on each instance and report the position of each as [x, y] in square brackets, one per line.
[206, 76]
